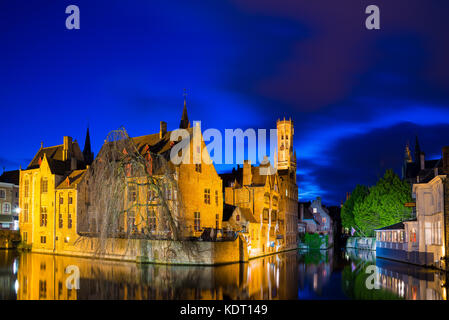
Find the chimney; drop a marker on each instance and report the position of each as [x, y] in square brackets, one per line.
[446, 159]
[318, 201]
[67, 148]
[163, 129]
[247, 175]
[422, 160]
[301, 212]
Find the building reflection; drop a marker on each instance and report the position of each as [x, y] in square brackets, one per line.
[8, 274]
[397, 280]
[43, 277]
[311, 275]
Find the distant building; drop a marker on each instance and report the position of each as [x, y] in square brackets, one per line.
[418, 169]
[314, 217]
[9, 200]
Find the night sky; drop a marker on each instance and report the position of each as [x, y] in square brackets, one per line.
[356, 96]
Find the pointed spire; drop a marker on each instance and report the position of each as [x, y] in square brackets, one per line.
[184, 124]
[417, 147]
[87, 151]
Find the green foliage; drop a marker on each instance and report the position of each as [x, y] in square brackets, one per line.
[347, 211]
[314, 240]
[384, 205]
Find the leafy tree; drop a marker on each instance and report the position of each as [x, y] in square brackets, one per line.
[384, 204]
[347, 211]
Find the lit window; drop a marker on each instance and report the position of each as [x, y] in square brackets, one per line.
[207, 196]
[44, 185]
[43, 222]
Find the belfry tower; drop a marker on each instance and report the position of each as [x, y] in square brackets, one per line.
[286, 155]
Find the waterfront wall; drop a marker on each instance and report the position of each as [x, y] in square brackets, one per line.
[361, 243]
[160, 251]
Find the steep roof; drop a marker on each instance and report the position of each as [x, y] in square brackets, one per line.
[10, 177]
[54, 152]
[156, 143]
[184, 124]
[248, 215]
[72, 180]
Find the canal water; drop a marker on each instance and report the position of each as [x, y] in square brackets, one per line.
[291, 275]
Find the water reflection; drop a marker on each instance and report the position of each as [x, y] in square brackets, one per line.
[291, 275]
[397, 280]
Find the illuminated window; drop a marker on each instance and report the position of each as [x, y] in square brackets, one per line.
[44, 185]
[43, 217]
[428, 232]
[207, 196]
[26, 188]
[413, 235]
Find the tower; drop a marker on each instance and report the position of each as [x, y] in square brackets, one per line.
[407, 154]
[87, 151]
[286, 155]
[184, 124]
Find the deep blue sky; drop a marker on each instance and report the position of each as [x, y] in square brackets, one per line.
[356, 96]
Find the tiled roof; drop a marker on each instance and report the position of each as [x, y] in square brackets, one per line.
[54, 152]
[72, 179]
[248, 215]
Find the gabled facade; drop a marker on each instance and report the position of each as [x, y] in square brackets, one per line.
[247, 188]
[37, 198]
[198, 184]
